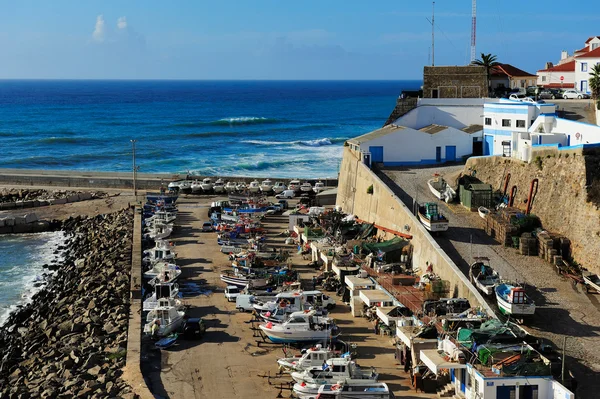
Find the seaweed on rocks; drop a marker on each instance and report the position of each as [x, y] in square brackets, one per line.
[70, 339]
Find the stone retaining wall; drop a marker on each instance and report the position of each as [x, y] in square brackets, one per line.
[37, 203]
[28, 223]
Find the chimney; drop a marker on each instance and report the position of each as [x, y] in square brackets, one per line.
[564, 55]
[548, 65]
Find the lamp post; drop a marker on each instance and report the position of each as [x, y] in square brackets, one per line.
[134, 169]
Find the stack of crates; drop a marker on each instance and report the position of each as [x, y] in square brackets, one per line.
[528, 245]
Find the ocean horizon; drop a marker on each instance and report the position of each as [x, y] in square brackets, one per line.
[283, 128]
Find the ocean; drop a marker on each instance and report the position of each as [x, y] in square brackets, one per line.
[21, 261]
[221, 128]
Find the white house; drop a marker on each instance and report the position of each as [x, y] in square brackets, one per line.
[503, 117]
[583, 66]
[561, 76]
[436, 131]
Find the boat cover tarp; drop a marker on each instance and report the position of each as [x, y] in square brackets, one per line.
[366, 230]
[395, 244]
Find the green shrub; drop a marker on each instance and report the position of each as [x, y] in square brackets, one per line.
[370, 189]
[538, 162]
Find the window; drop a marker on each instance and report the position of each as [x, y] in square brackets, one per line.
[505, 122]
[523, 83]
[488, 121]
[584, 67]
[543, 78]
[520, 123]
[595, 46]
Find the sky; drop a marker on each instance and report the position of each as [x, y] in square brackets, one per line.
[278, 39]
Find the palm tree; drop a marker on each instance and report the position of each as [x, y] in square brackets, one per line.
[594, 81]
[488, 61]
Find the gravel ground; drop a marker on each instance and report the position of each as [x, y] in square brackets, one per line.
[564, 310]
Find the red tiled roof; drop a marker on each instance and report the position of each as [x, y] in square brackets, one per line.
[559, 86]
[566, 67]
[592, 54]
[590, 39]
[508, 70]
[583, 50]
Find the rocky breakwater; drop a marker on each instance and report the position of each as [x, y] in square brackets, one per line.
[70, 340]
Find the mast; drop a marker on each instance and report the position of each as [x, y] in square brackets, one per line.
[433, 33]
[473, 29]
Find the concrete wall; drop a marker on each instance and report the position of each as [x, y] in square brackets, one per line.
[456, 113]
[386, 209]
[454, 81]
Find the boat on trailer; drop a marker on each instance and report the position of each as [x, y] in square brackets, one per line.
[483, 276]
[441, 189]
[266, 186]
[219, 186]
[431, 218]
[512, 301]
[302, 326]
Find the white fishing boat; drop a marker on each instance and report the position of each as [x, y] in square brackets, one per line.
[335, 369]
[279, 187]
[431, 218]
[162, 290]
[441, 189]
[219, 186]
[163, 250]
[306, 187]
[301, 327]
[159, 231]
[254, 186]
[241, 280]
[241, 186]
[512, 301]
[164, 319]
[207, 184]
[319, 187]
[591, 280]
[483, 212]
[368, 390]
[294, 185]
[483, 276]
[196, 187]
[312, 357]
[163, 271]
[266, 186]
[231, 186]
[163, 217]
[185, 185]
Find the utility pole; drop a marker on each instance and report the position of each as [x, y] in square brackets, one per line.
[134, 170]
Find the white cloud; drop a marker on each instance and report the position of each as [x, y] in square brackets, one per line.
[122, 22]
[99, 31]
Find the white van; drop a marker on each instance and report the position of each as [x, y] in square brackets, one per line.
[286, 194]
[232, 292]
[243, 302]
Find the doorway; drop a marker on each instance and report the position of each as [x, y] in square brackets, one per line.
[438, 154]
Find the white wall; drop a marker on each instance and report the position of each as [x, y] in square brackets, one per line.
[580, 75]
[554, 78]
[457, 113]
[588, 133]
[410, 145]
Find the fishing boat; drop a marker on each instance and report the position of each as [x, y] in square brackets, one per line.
[207, 184]
[241, 280]
[513, 301]
[279, 187]
[241, 186]
[591, 280]
[441, 189]
[164, 319]
[162, 290]
[306, 187]
[164, 217]
[163, 250]
[312, 357]
[369, 390]
[254, 186]
[294, 185]
[319, 187]
[185, 186]
[159, 231]
[266, 186]
[431, 218]
[483, 276]
[302, 326]
[219, 186]
[483, 212]
[231, 186]
[163, 271]
[196, 187]
[335, 369]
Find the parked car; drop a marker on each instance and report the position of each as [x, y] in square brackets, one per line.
[517, 97]
[207, 227]
[572, 93]
[549, 94]
[286, 194]
[193, 328]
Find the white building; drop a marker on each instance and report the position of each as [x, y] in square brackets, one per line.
[584, 64]
[561, 76]
[503, 117]
[436, 131]
[513, 128]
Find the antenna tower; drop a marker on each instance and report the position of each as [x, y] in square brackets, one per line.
[473, 29]
[433, 33]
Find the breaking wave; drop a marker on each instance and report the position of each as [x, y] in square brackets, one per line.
[238, 120]
[306, 143]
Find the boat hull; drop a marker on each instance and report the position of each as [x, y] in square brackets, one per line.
[514, 309]
[285, 336]
[433, 226]
[243, 282]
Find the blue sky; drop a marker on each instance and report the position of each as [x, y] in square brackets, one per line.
[278, 39]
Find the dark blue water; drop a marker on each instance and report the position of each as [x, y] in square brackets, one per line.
[251, 128]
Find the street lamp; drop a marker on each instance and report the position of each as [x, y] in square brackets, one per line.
[134, 169]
